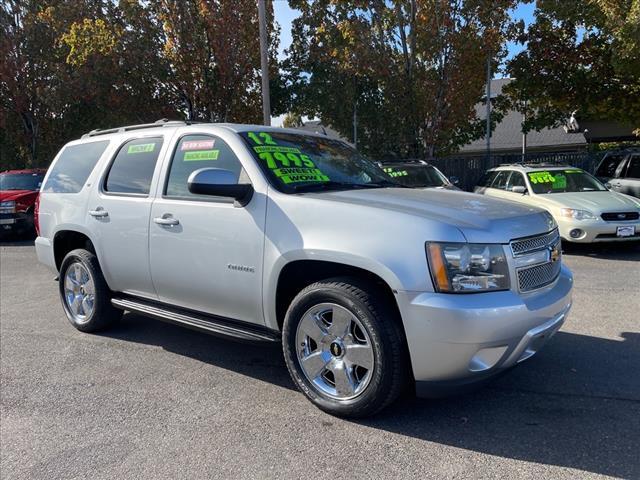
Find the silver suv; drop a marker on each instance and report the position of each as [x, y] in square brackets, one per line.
[268, 235]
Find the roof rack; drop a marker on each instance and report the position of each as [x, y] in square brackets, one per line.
[163, 122]
[535, 165]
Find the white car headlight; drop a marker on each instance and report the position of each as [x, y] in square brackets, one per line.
[577, 214]
[468, 267]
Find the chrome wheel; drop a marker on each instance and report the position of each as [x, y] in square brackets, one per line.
[79, 292]
[334, 351]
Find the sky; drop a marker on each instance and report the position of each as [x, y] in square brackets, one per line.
[285, 15]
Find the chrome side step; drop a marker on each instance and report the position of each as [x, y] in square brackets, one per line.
[198, 321]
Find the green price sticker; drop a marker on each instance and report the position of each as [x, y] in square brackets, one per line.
[559, 182]
[142, 148]
[395, 173]
[201, 155]
[541, 177]
[295, 175]
[275, 148]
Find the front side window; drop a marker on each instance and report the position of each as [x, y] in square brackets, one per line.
[297, 162]
[132, 168]
[633, 168]
[194, 152]
[20, 181]
[564, 181]
[516, 180]
[74, 166]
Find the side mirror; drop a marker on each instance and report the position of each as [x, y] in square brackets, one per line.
[454, 180]
[519, 189]
[608, 186]
[219, 183]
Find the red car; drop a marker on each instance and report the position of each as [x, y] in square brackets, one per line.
[19, 190]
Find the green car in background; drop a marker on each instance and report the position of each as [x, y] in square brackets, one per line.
[585, 210]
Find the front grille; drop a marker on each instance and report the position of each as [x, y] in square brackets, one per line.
[538, 276]
[620, 216]
[523, 246]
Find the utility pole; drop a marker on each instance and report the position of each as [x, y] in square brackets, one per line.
[264, 63]
[488, 134]
[524, 135]
[355, 124]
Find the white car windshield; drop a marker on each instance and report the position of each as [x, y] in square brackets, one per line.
[564, 181]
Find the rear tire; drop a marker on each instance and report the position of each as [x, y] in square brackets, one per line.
[344, 347]
[86, 298]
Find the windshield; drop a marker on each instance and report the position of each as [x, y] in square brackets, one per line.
[564, 181]
[420, 176]
[297, 162]
[21, 181]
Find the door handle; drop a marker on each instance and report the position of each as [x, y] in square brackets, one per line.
[99, 212]
[166, 220]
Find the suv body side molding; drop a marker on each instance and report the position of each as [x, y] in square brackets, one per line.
[204, 322]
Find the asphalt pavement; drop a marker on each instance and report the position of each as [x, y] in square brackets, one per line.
[152, 400]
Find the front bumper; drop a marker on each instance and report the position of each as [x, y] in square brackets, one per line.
[14, 221]
[456, 340]
[596, 230]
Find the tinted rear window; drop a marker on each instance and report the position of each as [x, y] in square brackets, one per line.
[74, 167]
[486, 180]
[608, 166]
[21, 181]
[633, 169]
[132, 169]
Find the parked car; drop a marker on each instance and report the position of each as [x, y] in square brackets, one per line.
[621, 171]
[18, 195]
[583, 207]
[417, 174]
[267, 234]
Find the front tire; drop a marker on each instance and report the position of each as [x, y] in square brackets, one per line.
[344, 347]
[85, 296]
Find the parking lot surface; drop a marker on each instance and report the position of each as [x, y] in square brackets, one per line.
[152, 400]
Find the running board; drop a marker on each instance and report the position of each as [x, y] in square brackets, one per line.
[203, 322]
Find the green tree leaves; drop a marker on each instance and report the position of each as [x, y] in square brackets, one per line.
[581, 57]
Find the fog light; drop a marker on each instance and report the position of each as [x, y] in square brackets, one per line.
[576, 233]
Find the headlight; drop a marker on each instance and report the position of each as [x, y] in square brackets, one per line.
[8, 206]
[468, 267]
[577, 214]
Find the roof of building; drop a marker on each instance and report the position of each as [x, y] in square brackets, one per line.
[316, 126]
[508, 133]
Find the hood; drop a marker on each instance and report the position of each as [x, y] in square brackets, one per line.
[23, 198]
[481, 219]
[595, 202]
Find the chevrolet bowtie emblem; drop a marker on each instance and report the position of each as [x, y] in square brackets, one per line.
[555, 254]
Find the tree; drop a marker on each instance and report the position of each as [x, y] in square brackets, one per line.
[212, 48]
[73, 65]
[581, 57]
[410, 72]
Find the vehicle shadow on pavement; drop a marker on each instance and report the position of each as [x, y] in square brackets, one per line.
[607, 251]
[563, 407]
[9, 242]
[575, 405]
[263, 362]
